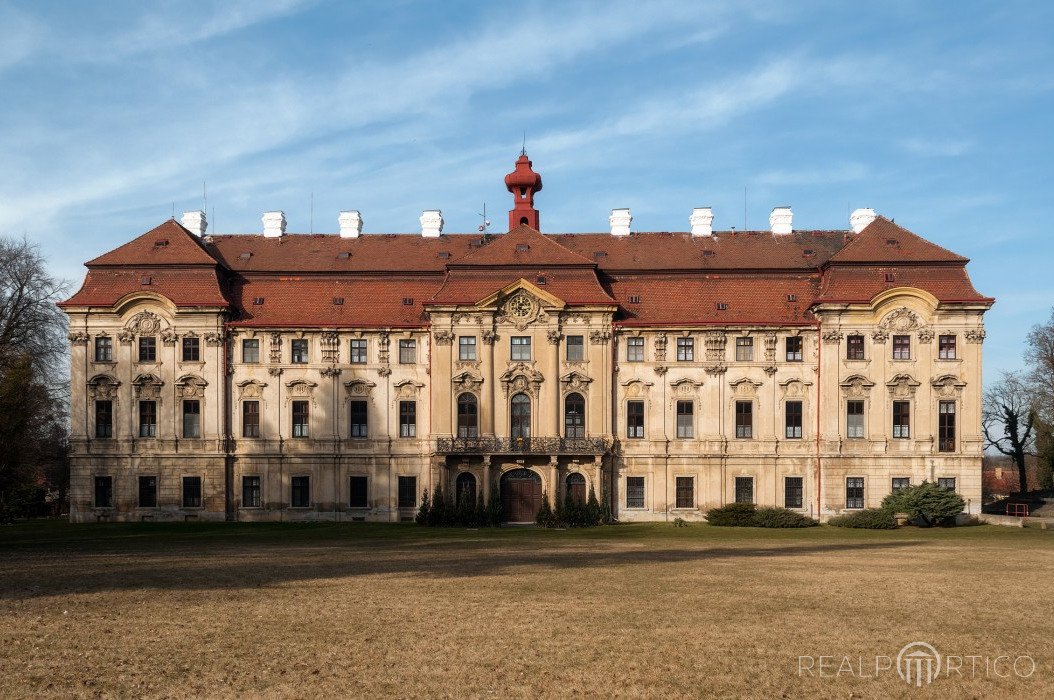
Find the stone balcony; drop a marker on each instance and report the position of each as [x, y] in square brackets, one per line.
[534, 445]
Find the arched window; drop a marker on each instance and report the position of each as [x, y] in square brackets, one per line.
[467, 416]
[574, 416]
[576, 489]
[521, 416]
[465, 488]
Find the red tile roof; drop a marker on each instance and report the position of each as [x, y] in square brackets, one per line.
[884, 241]
[167, 244]
[522, 246]
[860, 284]
[575, 286]
[183, 287]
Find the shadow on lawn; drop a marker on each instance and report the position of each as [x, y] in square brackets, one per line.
[34, 575]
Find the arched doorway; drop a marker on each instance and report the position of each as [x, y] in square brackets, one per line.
[465, 488]
[521, 495]
[576, 489]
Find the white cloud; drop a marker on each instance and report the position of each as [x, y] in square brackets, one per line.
[936, 147]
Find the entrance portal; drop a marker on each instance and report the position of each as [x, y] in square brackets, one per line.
[521, 495]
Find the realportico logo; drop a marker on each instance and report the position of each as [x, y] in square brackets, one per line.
[918, 664]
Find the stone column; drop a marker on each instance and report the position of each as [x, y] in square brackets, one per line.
[487, 393]
[598, 474]
[553, 461]
[486, 479]
[552, 377]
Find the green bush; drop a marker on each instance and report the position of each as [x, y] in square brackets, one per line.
[546, 517]
[868, 519]
[928, 500]
[781, 517]
[732, 515]
[425, 511]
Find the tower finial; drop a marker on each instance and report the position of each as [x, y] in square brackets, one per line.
[523, 183]
[523, 150]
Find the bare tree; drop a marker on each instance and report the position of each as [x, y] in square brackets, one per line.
[1008, 419]
[1040, 357]
[31, 325]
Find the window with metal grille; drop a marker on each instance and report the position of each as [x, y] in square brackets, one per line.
[104, 492]
[946, 426]
[685, 492]
[358, 351]
[854, 347]
[300, 496]
[635, 349]
[900, 483]
[251, 351]
[744, 489]
[792, 415]
[407, 419]
[103, 349]
[520, 347]
[192, 492]
[191, 418]
[854, 419]
[901, 419]
[854, 492]
[359, 419]
[250, 492]
[250, 419]
[407, 352]
[520, 417]
[685, 419]
[148, 349]
[301, 416]
[744, 419]
[299, 347]
[407, 491]
[635, 419]
[744, 349]
[147, 419]
[685, 349]
[359, 492]
[794, 348]
[574, 348]
[467, 416]
[192, 349]
[466, 348]
[634, 491]
[946, 483]
[793, 492]
[574, 416]
[902, 347]
[148, 492]
[946, 347]
[104, 419]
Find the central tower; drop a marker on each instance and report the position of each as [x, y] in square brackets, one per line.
[523, 182]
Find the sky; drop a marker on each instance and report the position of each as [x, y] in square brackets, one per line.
[936, 114]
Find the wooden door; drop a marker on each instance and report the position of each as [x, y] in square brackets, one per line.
[521, 495]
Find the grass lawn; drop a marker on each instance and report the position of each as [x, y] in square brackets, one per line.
[629, 610]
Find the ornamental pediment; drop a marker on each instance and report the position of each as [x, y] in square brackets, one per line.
[902, 386]
[466, 381]
[575, 381]
[359, 387]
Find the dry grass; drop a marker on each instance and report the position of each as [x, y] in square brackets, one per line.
[632, 610]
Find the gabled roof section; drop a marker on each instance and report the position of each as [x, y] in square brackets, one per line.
[521, 247]
[547, 298]
[882, 241]
[167, 244]
[573, 286]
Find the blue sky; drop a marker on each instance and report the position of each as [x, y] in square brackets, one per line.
[937, 114]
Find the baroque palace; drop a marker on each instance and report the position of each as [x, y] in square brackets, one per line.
[304, 376]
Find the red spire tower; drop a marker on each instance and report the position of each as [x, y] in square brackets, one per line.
[523, 182]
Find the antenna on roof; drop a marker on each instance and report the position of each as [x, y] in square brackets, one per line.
[212, 217]
[204, 198]
[173, 210]
[744, 207]
[484, 227]
[312, 225]
[523, 149]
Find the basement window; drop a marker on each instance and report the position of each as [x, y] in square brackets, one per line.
[258, 301]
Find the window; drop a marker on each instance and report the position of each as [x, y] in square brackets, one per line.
[192, 492]
[148, 419]
[192, 349]
[407, 491]
[792, 418]
[359, 492]
[946, 483]
[103, 349]
[685, 492]
[685, 349]
[901, 419]
[251, 419]
[250, 492]
[358, 351]
[854, 347]
[104, 419]
[854, 419]
[946, 426]
[685, 419]
[575, 349]
[575, 489]
[148, 492]
[407, 419]
[574, 416]
[467, 416]
[465, 489]
[854, 492]
[299, 347]
[793, 492]
[300, 496]
[521, 347]
[744, 419]
[634, 491]
[407, 352]
[191, 418]
[148, 349]
[946, 347]
[466, 347]
[359, 419]
[520, 416]
[104, 492]
[744, 489]
[300, 419]
[251, 351]
[902, 347]
[900, 483]
[794, 348]
[744, 349]
[635, 419]
[635, 349]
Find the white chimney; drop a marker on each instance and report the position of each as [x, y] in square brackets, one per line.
[350, 224]
[860, 218]
[431, 223]
[702, 221]
[620, 221]
[781, 220]
[274, 224]
[194, 221]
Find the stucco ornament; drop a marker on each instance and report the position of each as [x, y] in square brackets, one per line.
[902, 386]
[444, 337]
[975, 335]
[466, 381]
[901, 320]
[191, 386]
[251, 389]
[359, 387]
[948, 386]
[522, 377]
[144, 323]
[520, 310]
[856, 386]
[103, 387]
[575, 381]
